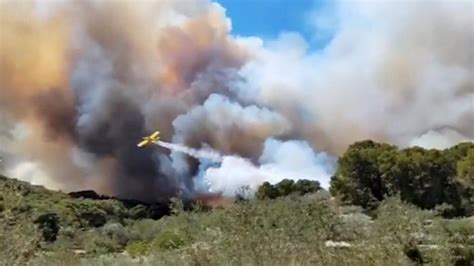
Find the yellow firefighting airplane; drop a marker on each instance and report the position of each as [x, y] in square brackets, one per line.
[150, 139]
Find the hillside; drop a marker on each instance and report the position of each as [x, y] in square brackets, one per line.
[386, 206]
[46, 227]
[36, 219]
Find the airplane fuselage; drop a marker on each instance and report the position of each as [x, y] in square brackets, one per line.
[150, 139]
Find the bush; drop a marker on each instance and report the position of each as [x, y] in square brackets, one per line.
[138, 248]
[266, 191]
[118, 233]
[286, 187]
[168, 240]
[138, 212]
[89, 214]
[18, 242]
[49, 225]
[146, 229]
[99, 244]
[461, 239]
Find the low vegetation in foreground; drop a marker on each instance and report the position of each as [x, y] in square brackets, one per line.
[378, 216]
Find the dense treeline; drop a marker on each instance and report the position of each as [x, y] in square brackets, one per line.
[368, 172]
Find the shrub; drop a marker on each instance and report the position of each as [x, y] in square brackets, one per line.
[118, 233]
[286, 187]
[89, 214]
[138, 212]
[146, 229]
[102, 245]
[49, 225]
[138, 248]
[266, 191]
[168, 240]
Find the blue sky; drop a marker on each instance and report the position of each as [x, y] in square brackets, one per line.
[268, 18]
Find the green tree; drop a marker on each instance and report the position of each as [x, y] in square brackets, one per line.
[459, 151]
[424, 178]
[287, 187]
[465, 182]
[465, 170]
[359, 178]
[304, 186]
[368, 172]
[266, 191]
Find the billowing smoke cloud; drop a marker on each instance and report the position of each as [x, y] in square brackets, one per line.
[291, 159]
[439, 139]
[227, 125]
[81, 82]
[392, 72]
[88, 79]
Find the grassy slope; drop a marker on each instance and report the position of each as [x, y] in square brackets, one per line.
[34, 219]
[286, 231]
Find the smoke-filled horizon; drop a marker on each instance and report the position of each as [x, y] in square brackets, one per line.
[82, 81]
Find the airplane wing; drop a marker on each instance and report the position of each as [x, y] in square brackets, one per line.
[143, 143]
[155, 135]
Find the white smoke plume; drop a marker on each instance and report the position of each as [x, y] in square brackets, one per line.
[85, 80]
[198, 154]
[439, 139]
[291, 159]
